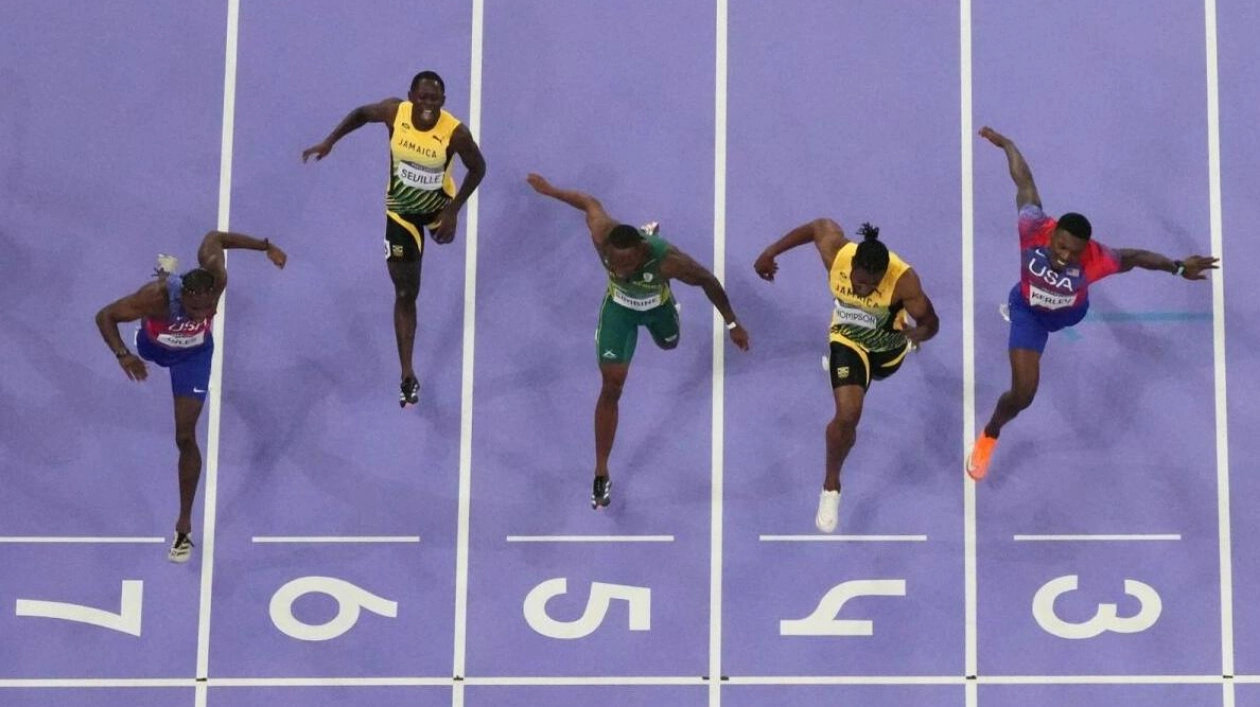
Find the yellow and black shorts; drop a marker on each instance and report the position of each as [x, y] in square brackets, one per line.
[404, 235]
[853, 365]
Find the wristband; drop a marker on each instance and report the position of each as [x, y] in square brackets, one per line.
[121, 353]
[1180, 267]
[732, 324]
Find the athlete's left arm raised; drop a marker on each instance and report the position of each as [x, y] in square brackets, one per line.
[677, 265]
[918, 306]
[1192, 268]
[469, 152]
[210, 254]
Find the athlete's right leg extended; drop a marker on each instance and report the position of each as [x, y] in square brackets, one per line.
[615, 340]
[1025, 376]
[404, 246]
[1028, 336]
[850, 375]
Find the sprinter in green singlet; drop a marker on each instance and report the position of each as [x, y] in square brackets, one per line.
[640, 265]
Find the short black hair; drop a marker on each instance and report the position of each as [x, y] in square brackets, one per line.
[1076, 224]
[198, 281]
[871, 256]
[624, 236]
[428, 76]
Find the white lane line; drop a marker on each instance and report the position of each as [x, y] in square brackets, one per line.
[1135, 537]
[68, 539]
[336, 538]
[590, 538]
[843, 538]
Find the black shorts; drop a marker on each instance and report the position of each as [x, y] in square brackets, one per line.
[854, 365]
[404, 235]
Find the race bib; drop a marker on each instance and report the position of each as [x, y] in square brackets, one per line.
[1049, 300]
[852, 316]
[638, 304]
[420, 177]
[181, 340]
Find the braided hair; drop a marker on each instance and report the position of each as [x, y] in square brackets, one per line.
[871, 256]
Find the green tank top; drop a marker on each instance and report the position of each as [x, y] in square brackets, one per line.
[645, 288]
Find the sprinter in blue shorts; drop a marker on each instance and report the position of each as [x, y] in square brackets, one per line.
[1059, 260]
[176, 314]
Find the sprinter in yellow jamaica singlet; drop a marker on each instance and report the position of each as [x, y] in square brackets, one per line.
[640, 266]
[420, 193]
[872, 291]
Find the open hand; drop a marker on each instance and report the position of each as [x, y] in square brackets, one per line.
[134, 367]
[739, 337]
[1195, 266]
[320, 151]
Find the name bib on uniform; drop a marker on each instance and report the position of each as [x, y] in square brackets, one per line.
[1040, 298]
[639, 304]
[852, 316]
[420, 177]
[182, 340]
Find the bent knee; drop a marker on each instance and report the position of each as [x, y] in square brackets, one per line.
[846, 422]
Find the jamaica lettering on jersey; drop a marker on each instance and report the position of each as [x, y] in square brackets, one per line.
[645, 288]
[872, 322]
[420, 179]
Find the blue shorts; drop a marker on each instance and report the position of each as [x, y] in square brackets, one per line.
[190, 368]
[1030, 328]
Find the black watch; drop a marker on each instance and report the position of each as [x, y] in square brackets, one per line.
[122, 353]
[1180, 267]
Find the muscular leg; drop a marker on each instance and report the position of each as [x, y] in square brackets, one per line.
[187, 412]
[614, 375]
[1025, 374]
[842, 431]
[406, 278]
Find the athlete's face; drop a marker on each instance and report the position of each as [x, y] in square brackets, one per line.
[864, 282]
[1065, 249]
[428, 98]
[624, 261]
[199, 305]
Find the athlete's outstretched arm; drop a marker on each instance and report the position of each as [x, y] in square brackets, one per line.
[469, 152]
[597, 220]
[1192, 268]
[382, 112]
[824, 233]
[1021, 173]
[918, 306]
[210, 254]
[677, 265]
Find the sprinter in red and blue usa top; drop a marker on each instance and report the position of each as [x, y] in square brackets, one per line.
[1058, 262]
[176, 313]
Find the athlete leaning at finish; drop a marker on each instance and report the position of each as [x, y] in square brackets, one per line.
[640, 266]
[421, 194]
[176, 313]
[1059, 261]
[873, 291]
